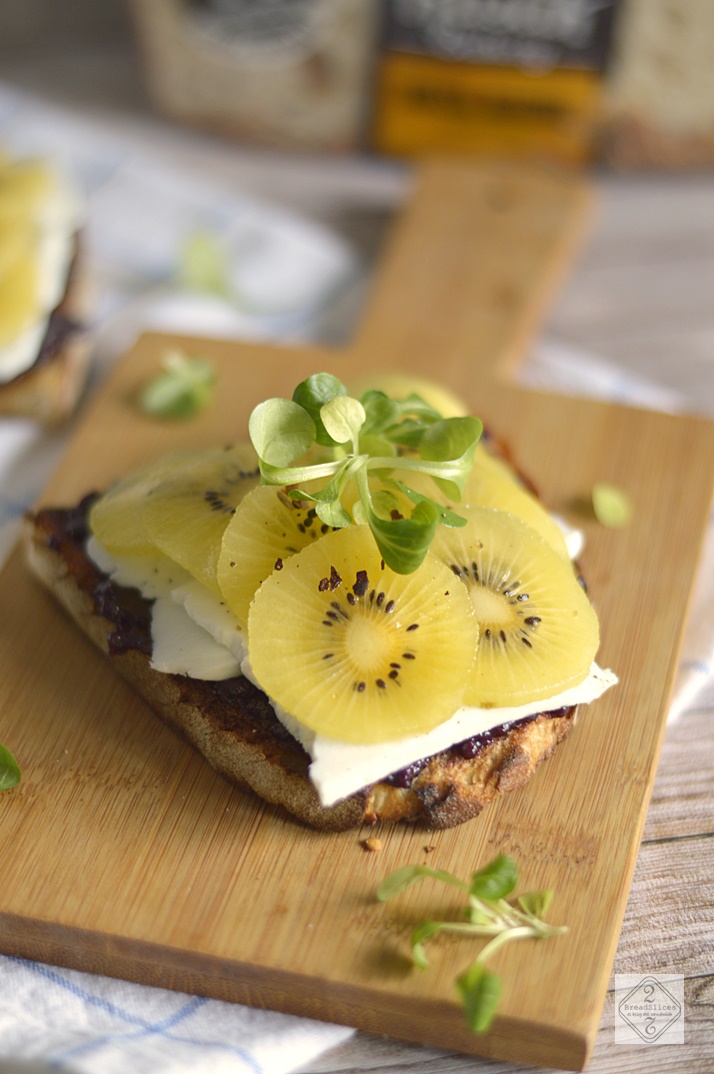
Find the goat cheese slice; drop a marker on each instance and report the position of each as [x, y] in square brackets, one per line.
[339, 769]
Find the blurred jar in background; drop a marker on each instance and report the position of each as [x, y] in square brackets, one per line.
[514, 78]
[286, 73]
[659, 106]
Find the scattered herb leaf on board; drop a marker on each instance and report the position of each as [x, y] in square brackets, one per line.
[488, 914]
[9, 770]
[182, 390]
[612, 505]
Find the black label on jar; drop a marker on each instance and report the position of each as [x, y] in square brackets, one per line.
[257, 23]
[521, 33]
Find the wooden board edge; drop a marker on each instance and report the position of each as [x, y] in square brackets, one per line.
[417, 1021]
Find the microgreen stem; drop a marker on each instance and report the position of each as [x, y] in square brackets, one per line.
[296, 475]
[520, 932]
[365, 495]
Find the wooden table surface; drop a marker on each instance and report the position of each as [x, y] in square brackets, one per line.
[641, 296]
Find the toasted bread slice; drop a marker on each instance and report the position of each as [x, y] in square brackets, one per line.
[232, 722]
[50, 390]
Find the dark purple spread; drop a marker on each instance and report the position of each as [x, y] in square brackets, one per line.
[60, 328]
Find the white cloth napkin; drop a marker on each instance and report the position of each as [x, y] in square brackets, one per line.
[63, 1020]
[284, 271]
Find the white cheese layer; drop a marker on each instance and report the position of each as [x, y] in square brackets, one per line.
[339, 769]
[53, 232]
[192, 631]
[181, 647]
[154, 576]
[214, 616]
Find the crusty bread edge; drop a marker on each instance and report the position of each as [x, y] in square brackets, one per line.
[448, 791]
[50, 390]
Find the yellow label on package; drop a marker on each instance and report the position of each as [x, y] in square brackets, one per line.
[500, 77]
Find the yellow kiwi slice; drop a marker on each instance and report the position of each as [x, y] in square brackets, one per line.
[25, 186]
[16, 237]
[115, 518]
[356, 652]
[492, 483]
[266, 529]
[538, 632]
[19, 295]
[185, 515]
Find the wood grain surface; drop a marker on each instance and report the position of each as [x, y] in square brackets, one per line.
[124, 854]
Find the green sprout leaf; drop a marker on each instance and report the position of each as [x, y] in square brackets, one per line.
[378, 446]
[403, 878]
[612, 505]
[495, 880]
[342, 418]
[183, 389]
[400, 418]
[409, 433]
[333, 514]
[381, 412]
[536, 903]
[454, 440]
[9, 770]
[423, 932]
[312, 395]
[384, 502]
[480, 992]
[404, 542]
[281, 431]
[446, 516]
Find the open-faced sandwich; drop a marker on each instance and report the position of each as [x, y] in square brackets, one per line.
[44, 356]
[364, 615]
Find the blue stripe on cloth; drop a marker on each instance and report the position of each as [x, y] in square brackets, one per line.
[81, 993]
[700, 666]
[11, 509]
[141, 1027]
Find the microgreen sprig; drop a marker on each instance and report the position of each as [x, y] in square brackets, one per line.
[488, 914]
[182, 389]
[324, 434]
[9, 770]
[611, 505]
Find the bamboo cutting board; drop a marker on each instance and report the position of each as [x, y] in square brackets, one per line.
[124, 854]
